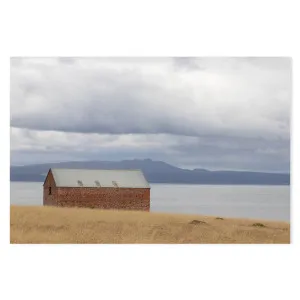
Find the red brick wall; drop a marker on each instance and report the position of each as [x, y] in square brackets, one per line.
[105, 198]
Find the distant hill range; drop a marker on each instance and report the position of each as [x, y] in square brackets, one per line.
[155, 172]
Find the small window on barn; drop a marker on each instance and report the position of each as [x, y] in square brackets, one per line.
[50, 192]
[115, 183]
[97, 183]
[79, 182]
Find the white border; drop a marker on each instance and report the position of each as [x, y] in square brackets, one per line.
[39, 28]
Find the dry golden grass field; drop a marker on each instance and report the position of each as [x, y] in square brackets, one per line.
[52, 225]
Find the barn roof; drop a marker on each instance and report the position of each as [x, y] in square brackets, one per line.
[99, 178]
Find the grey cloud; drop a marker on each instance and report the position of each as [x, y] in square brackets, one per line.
[196, 156]
[113, 102]
[67, 60]
[191, 152]
[110, 104]
[188, 63]
[238, 153]
[277, 63]
[230, 111]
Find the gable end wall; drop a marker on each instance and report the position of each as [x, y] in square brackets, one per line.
[49, 199]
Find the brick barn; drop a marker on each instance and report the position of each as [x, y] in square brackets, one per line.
[104, 189]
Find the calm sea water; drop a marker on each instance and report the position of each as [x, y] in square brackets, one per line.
[261, 202]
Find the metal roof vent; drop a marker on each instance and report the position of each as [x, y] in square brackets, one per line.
[115, 183]
[97, 183]
[79, 182]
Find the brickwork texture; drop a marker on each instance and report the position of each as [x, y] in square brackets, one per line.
[96, 197]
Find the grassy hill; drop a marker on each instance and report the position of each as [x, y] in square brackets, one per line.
[51, 225]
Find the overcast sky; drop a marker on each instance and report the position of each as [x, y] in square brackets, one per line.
[215, 113]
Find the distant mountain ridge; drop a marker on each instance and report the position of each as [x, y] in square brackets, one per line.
[155, 172]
